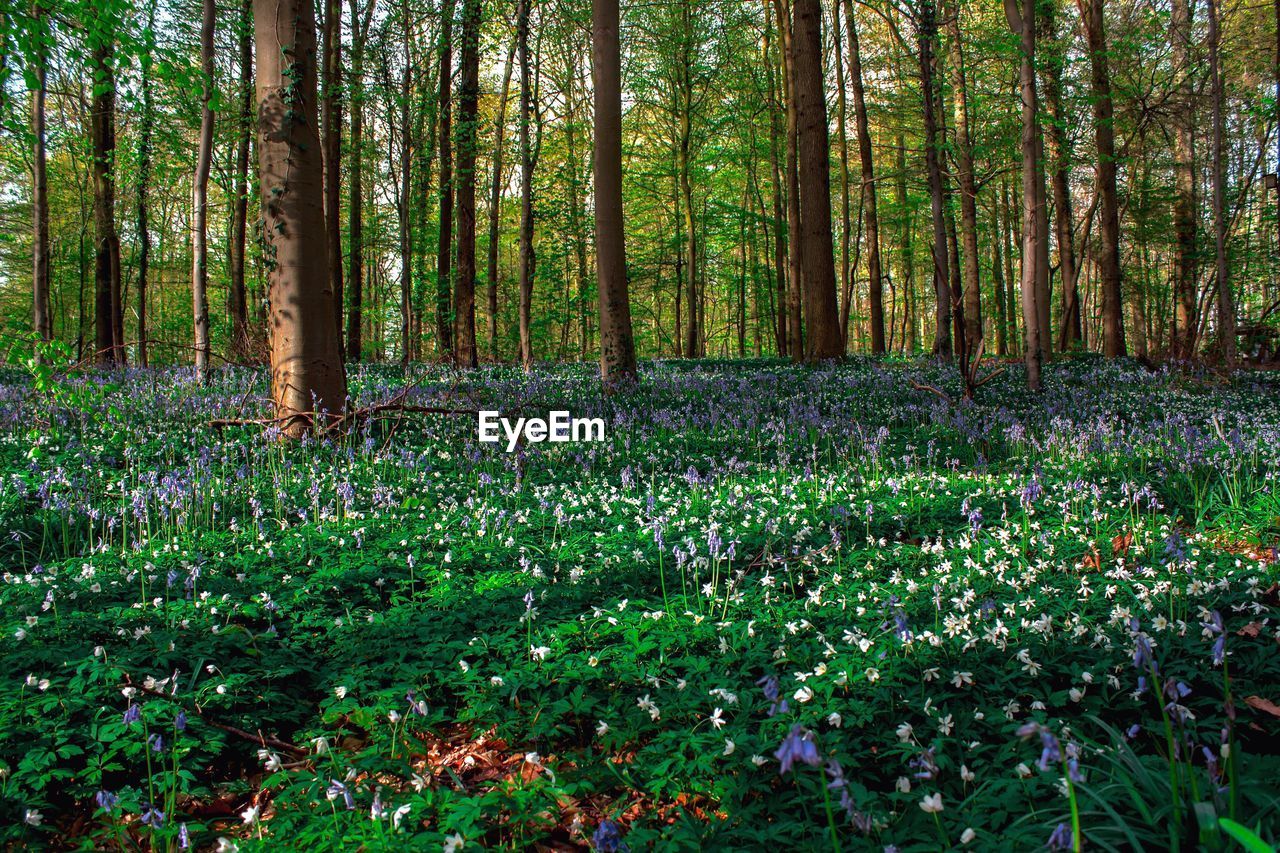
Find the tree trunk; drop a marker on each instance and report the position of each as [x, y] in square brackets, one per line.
[495, 200]
[237, 297]
[928, 29]
[775, 162]
[795, 262]
[1185, 225]
[846, 229]
[818, 252]
[106, 274]
[527, 256]
[617, 345]
[870, 202]
[406, 189]
[1226, 298]
[1092, 13]
[331, 128]
[200, 199]
[972, 286]
[355, 214]
[307, 377]
[41, 321]
[1069, 332]
[444, 308]
[464, 303]
[1023, 23]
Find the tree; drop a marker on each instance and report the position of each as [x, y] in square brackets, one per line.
[41, 320]
[528, 161]
[870, 203]
[355, 213]
[1186, 316]
[818, 254]
[308, 382]
[237, 294]
[495, 199]
[107, 296]
[1226, 299]
[331, 131]
[617, 346]
[1092, 13]
[444, 258]
[972, 288]
[926, 33]
[200, 198]
[1023, 22]
[464, 303]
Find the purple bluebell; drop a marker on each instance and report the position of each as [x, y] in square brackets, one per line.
[1060, 839]
[608, 838]
[799, 746]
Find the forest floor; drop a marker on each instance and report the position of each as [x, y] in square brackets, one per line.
[777, 607]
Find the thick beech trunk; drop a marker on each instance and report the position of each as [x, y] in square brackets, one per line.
[307, 376]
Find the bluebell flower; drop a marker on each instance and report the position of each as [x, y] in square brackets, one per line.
[152, 816]
[608, 838]
[184, 837]
[180, 721]
[799, 746]
[1060, 839]
[156, 743]
[106, 800]
[132, 714]
[772, 691]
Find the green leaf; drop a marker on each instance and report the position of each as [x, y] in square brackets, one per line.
[1247, 838]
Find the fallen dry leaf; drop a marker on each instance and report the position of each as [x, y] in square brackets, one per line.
[1265, 705]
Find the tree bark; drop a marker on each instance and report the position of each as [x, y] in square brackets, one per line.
[308, 383]
[795, 263]
[107, 297]
[972, 286]
[237, 297]
[495, 200]
[465, 351]
[444, 307]
[927, 33]
[870, 201]
[355, 214]
[617, 345]
[1023, 23]
[41, 320]
[528, 258]
[1092, 13]
[200, 198]
[780, 263]
[1226, 298]
[818, 253]
[1069, 331]
[846, 230]
[406, 187]
[331, 129]
[1185, 225]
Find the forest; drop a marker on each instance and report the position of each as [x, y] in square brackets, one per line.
[917, 366]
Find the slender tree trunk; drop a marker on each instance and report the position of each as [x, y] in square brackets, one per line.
[1185, 225]
[1226, 298]
[495, 199]
[908, 253]
[998, 285]
[41, 321]
[307, 376]
[1069, 332]
[972, 286]
[795, 263]
[780, 264]
[846, 229]
[1093, 14]
[818, 252]
[444, 307]
[928, 29]
[617, 345]
[237, 296]
[331, 129]
[1023, 23]
[465, 351]
[528, 258]
[870, 202]
[406, 188]
[200, 199]
[109, 345]
[355, 214]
